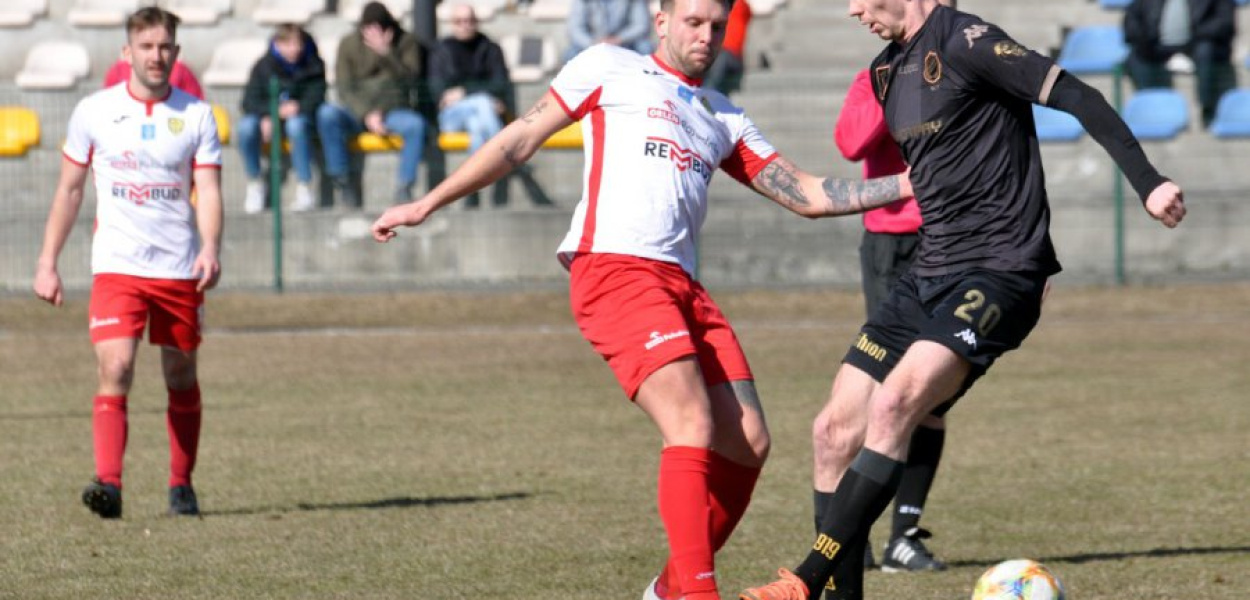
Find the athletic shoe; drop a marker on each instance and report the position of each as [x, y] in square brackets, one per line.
[651, 594]
[104, 499]
[908, 553]
[788, 587]
[304, 200]
[254, 198]
[182, 502]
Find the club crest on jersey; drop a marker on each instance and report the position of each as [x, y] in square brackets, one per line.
[148, 131]
[683, 159]
[932, 68]
[176, 125]
[976, 31]
[882, 75]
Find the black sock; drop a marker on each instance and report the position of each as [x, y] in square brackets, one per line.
[847, 582]
[861, 497]
[918, 475]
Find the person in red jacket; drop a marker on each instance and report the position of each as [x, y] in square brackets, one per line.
[887, 250]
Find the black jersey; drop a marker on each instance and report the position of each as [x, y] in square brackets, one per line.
[958, 100]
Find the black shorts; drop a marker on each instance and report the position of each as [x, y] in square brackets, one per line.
[980, 315]
[883, 259]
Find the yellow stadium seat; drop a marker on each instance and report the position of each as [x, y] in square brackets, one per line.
[569, 138]
[223, 123]
[19, 130]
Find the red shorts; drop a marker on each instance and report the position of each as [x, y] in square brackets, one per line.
[121, 305]
[642, 314]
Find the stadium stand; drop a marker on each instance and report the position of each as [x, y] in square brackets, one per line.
[232, 61]
[349, 10]
[275, 12]
[22, 13]
[1156, 114]
[530, 58]
[548, 10]
[1093, 49]
[328, 48]
[1055, 125]
[54, 65]
[199, 12]
[1232, 115]
[19, 130]
[101, 13]
[485, 10]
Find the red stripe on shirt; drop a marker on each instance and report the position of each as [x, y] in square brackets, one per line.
[744, 164]
[596, 178]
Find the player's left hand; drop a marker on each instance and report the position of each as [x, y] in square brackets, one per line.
[207, 269]
[1167, 204]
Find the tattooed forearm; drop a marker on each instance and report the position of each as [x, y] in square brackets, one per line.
[514, 159]
[533, 113]
[846, 196]
[779, 181]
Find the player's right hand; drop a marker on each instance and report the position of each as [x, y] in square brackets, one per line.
[48, 287]
[404, 215]
[1167, 204]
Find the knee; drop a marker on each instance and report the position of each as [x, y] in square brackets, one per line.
[179, 371]
[835, 438]
[297, 128]
[116, 371]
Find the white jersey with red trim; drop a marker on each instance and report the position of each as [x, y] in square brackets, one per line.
[653, 138]
[142, 154]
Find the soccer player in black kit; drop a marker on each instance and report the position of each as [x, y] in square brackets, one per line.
[957, 95]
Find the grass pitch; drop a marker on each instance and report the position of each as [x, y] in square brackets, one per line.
[448, 446]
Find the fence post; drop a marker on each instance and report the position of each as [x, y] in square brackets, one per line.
[1117, 100]
[275, 179]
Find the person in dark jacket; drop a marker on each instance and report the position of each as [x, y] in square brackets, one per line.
[293, 60]
[376, 71]
[1203, 30]
[470, 79]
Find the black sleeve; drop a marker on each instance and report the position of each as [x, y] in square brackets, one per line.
[1088, 105]
[256, 92]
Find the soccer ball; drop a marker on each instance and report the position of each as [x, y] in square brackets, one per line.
[1020, 579]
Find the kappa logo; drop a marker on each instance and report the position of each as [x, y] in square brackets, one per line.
[658, 338]
[975, 32]
[968, 337]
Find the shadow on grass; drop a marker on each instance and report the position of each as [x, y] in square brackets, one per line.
[1109, 556]
[398, 502]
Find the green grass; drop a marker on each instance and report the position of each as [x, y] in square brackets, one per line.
[460, 445]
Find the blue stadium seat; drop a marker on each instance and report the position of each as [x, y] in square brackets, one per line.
[1232, 115]
[1114, 4]
[1093, 49]
[1156, 114]
[1056, 125]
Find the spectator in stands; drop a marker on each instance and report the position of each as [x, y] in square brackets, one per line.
[469, 77]
[622, 23]
[726, 73]
[377, 68]
[1203, 30]
[181, 77]
[293, 60]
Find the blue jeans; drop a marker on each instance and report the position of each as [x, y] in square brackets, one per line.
[337, 126]
[298, 129]
[474, 114]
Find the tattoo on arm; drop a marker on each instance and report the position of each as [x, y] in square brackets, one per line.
[779, 181]
[509, 154]
[533, 113]
[846, 196]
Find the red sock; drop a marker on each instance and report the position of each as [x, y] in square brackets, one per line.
[182, 419]
[730, 486]
[685, 509]
[108, 432]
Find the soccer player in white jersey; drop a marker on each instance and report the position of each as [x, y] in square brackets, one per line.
[653, 139]
[153, 253]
